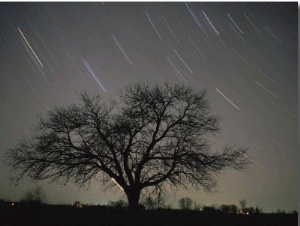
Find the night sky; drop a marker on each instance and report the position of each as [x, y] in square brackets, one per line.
[245, 54]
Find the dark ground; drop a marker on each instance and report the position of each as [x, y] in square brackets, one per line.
[44, 215]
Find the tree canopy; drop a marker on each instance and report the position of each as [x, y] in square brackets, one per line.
[149, 137]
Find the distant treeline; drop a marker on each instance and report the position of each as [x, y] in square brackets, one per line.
[43, 214]
[121, 205]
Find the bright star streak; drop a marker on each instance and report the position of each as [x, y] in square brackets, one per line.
[268, 77]
[113, 179]
[266, 89]
[170, 28]
[95, 77]
[123, 51]
[197, 48]
[211, 23]
[252, 23]
[234, 23]
[30, 47]
[249, 158]
[176, 70]
[183, 61]
[194, 17]
[227, 99]
[153, 25]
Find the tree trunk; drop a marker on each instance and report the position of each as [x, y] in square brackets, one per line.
[133, 196]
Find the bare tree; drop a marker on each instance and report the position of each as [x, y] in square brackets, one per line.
[185, 203]
[34, 196]
[157, 202]
[243, 204]
[152, 136]
[197, 206]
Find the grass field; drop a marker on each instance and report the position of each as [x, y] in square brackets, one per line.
[71, 216]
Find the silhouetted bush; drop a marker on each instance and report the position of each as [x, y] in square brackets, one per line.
[209, 209]
[118, 205]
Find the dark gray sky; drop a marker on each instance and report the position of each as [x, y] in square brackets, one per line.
[245, 54]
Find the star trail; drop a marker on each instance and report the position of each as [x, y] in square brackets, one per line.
[244, 54]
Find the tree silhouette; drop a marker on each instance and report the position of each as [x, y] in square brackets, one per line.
[233, 208]
[152, 203]
[225, 208]
[185, 203]
[149, 137]
[243, 204]
[34, 196]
